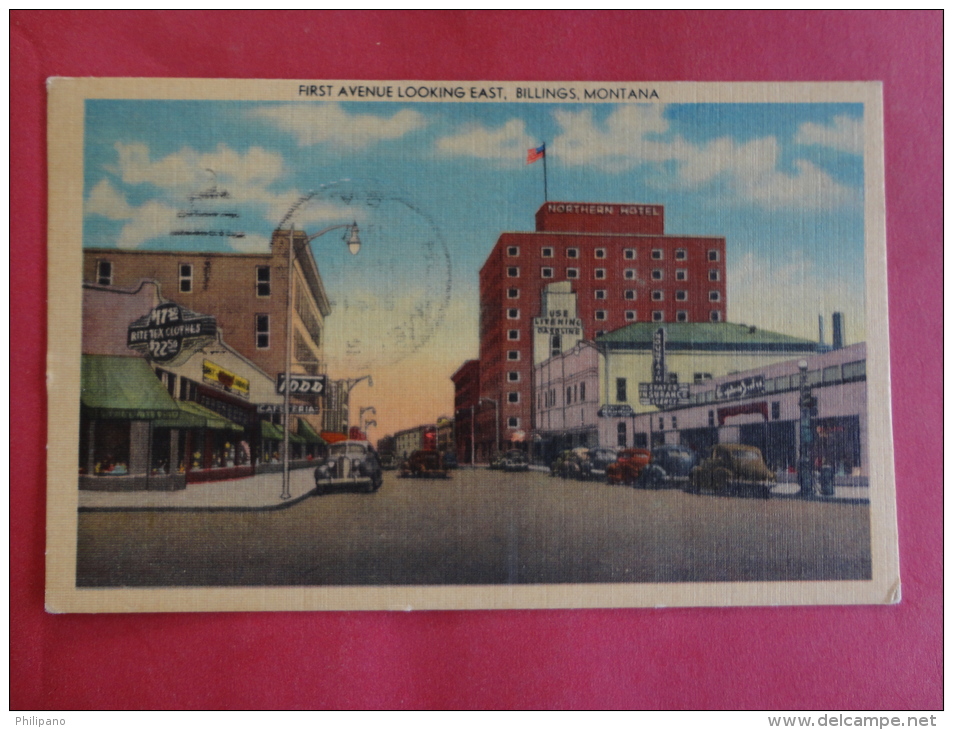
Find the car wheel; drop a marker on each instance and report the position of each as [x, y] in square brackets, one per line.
[720, 480]
[319, 487]
[766, 492]
[694, 481]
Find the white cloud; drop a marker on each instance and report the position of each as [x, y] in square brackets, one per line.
[845, 134]
[142, 223]
[104, 200]
[508, 143]
[619, 143]
[330, 124]
[251, 244]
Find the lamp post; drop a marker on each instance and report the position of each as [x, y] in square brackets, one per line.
[805, 467]
[496, 409]
[362, 422]
[353, 241]
[349, 384]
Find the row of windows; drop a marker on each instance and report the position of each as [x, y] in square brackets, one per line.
[657, 296]
[574, 394]
[601, 315]
[658, 254]
[548, 272]
[105, 272]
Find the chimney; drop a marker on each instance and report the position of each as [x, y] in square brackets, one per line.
[837, 336]
[820, 329]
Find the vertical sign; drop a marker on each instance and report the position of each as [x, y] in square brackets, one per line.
[658, 356]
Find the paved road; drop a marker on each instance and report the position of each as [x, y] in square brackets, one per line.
[482, 527]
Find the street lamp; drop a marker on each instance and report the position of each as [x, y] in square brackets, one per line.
[496, 409]
[805, 467]
[349, 384]
[353, 241]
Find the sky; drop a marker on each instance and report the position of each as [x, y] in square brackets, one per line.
[432, 185]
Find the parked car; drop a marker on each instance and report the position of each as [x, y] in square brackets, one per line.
[594, 466]
[730, 468]
[556, 468]
[670, 464]
[628, 467]
[515, 460]
[450, 460]
[388, 461]
[424, 463]
[496, 462]
[349, 463]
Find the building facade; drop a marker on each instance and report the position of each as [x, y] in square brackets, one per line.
[466, 401]
[623, 268]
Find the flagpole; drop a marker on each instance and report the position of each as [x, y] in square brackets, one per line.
[545, 183]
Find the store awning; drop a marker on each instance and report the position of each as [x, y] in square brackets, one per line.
[332, 437]
[207, 417]
[273, 432]
[123, 388]
[307, 432]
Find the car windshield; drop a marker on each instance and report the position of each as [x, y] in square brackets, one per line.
[747, 455]
[346, 450]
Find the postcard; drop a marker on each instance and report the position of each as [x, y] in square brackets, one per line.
[393, 345]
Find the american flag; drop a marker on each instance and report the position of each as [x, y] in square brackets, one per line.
[535, 153]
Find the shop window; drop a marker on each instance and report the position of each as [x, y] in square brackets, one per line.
[681, 274]
[715, 316]
[600, 273]
[628, 254]
[513, 396]
[713, 255]
[185, 278]
[513, 293]
[622, 435]
[263, 281]
[620, 394]
[714, 275]
[681, 296]
[513, 422]
[658, 316]
[512, 314]
[630, 315]
[546, 272]
[513, 334]
[104, 273]
[513, 271]
[513, 355]
[547, 252]
[513, 376]
[658, 295]
[572, 273]
[681, 254]
[600, 253]
[630, 294]
[572, 253]
[657, 254]
[714, 296]
[600, 293]
[775, 410]
[513, 251]
[681, 316]
[262, 331]
[657, 275]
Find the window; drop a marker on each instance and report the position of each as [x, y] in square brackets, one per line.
[582, 391]
[674, 423]
[711, 418]
[546, 272]
[681, 316]
[262, 331]
[512, 314]
[185, 278]
[513, 251]
[831, 374]
[658, 295]
[715, 316]
[622, 435]
[104, 273]
[856, 370]
[628, 254]
[681, 274]
[657, 254]
[713, 255]
[600, 314]
[263, 281]
[681, 254]
[555, 345]
[572, 273]
[775, 410]
[513, 271]
[600, 273]
[630, 315]
[600, 293]
[600, 333]
[600, 253]
[513, 396]
[714, 296]
[661, 423]
[620, 394]
[714, 275]
[701, 377]
[681, 296]
[630, 294]
[512, 293]
[512, 334]
[658, 316]
[547, 252]
[572, 253]
[513, 422]
[512, 355]
[513, 376]
[629, 274]
[657, 274]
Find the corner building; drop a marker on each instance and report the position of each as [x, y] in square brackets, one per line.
[623, 268]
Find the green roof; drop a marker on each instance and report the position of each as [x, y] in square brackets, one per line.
[307, 432]
[704, 336]
[273, 432]
[123, 388]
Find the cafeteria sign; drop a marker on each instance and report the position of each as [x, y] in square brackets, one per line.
[169, 331]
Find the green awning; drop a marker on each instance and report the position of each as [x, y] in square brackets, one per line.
[208, 418]
[273, 432]
[123, 388]
[307, 432]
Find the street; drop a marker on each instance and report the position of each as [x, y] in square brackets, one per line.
[481, 527]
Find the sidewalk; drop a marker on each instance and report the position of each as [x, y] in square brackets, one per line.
[260, 492]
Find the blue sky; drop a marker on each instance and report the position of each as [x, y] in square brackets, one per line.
[433, 184]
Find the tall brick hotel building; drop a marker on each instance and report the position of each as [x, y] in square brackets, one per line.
[623, 268]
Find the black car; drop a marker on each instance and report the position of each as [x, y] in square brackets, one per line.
[515, 460]
[349, 463]
[670, 464]
[595, 463]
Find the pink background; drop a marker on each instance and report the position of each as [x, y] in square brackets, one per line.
[871, 657]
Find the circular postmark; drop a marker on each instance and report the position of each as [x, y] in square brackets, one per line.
[388, 300]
